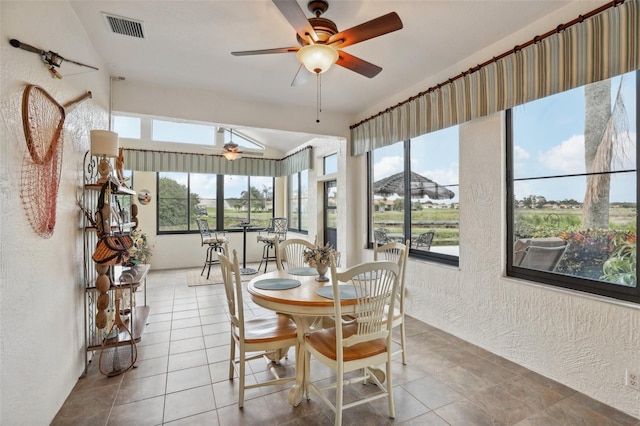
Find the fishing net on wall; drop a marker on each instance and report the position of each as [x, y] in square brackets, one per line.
[42, 122]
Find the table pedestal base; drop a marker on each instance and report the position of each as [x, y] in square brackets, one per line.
[247, 271]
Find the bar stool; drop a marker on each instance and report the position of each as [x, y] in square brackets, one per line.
[277, 229]
[215, 243]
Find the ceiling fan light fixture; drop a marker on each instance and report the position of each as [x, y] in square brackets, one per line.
[231, 155]
[317, 58]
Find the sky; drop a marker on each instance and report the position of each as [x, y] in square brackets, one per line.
[548, 141]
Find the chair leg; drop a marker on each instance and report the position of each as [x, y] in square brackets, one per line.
[402, 343]
[241, 374]
[210, 251]
[232, 356]
[339, 396]
[392, 412]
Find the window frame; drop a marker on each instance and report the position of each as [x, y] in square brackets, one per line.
[442, 258]
[298, 228]
[576, 283]
[219, 220]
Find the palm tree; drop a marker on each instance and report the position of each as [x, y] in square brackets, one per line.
[604, 127]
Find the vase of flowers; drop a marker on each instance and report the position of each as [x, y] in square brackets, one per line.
[141, 251]
[319, 257]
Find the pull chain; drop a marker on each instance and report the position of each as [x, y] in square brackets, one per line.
[318, 97]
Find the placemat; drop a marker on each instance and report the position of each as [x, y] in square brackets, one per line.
[303, 271]
[276, 284]
[347, 291]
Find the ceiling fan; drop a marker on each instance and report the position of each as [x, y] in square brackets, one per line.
[231, 150]
[321, 43]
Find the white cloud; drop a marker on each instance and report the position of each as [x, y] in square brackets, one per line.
[520, 154]
[387, 166]
[568, 157]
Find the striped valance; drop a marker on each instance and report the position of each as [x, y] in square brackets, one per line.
[599, 47]
[183, 162]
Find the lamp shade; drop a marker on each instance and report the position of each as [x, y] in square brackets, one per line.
[104, 142]
[317, 58]
[231, 155]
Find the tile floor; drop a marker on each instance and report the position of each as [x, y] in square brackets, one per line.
[181, 379]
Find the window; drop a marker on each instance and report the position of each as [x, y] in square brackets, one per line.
[184, 197]
[248, 199]
[572, 200]
[127, 127]
[427, 213]
[331, 164]
[181, 132]
[298, 198]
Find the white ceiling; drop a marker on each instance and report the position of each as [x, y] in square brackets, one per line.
[188, 44]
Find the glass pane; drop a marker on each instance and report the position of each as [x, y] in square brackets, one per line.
[203, 197]
[236, 208]
[331, 164]
[575, 182]
[304, 200]
[240, 140]
[172, 202]
[332, 193]
[261, 201]
[174, 131]
[388, 198]
[435, 207]
[293, 201]
[126, 127]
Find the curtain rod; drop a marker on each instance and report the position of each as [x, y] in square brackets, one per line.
[471, 70]
[212, 155]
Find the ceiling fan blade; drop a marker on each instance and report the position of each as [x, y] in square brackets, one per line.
[376, 27]
[302, 76]
[357, 65]
[292, 12]
[266, 51]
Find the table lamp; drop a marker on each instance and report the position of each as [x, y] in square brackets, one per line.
[104, 143]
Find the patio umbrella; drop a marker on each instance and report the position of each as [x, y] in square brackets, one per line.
[420, 187]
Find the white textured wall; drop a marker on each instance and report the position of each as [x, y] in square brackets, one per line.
[41, 293]
[581, 341]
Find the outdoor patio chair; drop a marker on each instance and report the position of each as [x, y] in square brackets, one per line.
[215, 242]
[277, 229]
[424, 241]
[543, 254]
[381, 235]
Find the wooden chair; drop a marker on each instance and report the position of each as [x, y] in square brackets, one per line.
[424, 240]
[263, 337]
[214, 242]
[277, 230]
[365, 342]
[289, 253]
[398, 253]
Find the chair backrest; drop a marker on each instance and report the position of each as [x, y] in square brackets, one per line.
[540, 257]
[205, 232]
[380, 235]
[376, 285]
[424, 240]
[233, 289]
[289, 253]
[398, 253]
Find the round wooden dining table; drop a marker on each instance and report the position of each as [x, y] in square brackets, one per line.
[303, 304]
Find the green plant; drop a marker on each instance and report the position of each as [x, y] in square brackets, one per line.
[620, 267]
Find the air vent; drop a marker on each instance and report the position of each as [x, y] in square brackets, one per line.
[125, 26]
